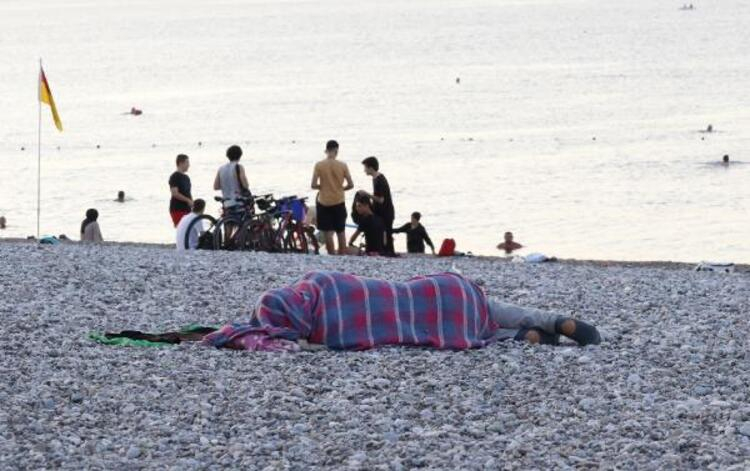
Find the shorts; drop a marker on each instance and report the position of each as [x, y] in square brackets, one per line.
[177, 215]
[331, 218]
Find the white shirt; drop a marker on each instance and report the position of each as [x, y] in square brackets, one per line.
[195, 233]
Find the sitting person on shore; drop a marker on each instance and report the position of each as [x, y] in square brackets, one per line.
[90, 231]
[416, 235]
[509, 245]
[369, 224]
[347, 312]
[199, 206]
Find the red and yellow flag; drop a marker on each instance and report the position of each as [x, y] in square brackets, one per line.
[45, 96]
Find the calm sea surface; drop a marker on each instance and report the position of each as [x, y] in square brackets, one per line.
[575, 123]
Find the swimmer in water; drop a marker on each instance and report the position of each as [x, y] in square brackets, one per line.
[120, 196]
[725, 159]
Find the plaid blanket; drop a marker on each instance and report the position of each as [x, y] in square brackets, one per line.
[348, 312]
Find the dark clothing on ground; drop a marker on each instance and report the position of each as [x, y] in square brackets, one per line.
[386, 211]
[331, 218]
[415, 238]
[182, 182]
[374, 230]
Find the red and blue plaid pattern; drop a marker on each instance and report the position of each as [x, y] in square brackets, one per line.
[348, 312]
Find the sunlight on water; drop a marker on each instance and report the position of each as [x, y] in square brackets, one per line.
[575, 123]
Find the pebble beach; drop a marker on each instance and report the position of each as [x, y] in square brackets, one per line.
[669, 388]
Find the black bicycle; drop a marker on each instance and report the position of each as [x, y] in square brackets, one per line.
[222, 233]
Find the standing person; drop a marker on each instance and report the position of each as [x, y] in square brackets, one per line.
[371, 225]
[231, 179]
[179, 185]
[90, 231]
[332, 179]
[381, 197]
[199, 206]
[416, 235]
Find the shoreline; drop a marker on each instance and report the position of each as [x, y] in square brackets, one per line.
[657, 264]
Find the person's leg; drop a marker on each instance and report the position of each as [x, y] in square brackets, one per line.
[389, 237]
[538, 326]
[511, 316]
[342, 242]
[330, 247]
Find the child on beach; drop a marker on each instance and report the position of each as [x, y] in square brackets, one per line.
[90, 231]
[416, 235]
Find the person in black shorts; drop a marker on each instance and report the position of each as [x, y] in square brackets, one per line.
[332, 179]
[381, 197]
[371, 225]
[416, 235]
[181, 202]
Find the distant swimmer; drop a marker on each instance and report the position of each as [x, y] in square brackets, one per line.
[509, 245]
[3, 222]
[458, 80]
[725, 159]
[120, 196]
[710, 128]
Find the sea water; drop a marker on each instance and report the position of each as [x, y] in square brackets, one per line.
[575, 124]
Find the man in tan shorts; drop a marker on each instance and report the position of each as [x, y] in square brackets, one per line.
[332, 179]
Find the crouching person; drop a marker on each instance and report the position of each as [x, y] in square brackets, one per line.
[193, 237]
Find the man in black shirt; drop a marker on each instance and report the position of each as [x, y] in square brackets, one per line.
[181, 202]
[416, 235]
[381, 197]
[371, 225]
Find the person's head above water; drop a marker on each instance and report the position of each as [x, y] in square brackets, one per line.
[234, 153]
[199, 206]
[725, 159]
[121, 196]
[332, 149]
[183, 163]
[372, 166]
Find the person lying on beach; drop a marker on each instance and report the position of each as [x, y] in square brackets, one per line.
[509, 246]
[347, 312]
[90, 231]
[416, 235]
[369, 224]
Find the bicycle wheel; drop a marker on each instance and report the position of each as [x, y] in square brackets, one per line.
[191, 227]
[295, 239]
[252, 236]
[225, 233]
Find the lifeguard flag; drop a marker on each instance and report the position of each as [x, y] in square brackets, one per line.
[45, 96]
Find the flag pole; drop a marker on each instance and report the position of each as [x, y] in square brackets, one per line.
[39, 155]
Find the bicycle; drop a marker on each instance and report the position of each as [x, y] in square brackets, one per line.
[279, 228]
[214, 236]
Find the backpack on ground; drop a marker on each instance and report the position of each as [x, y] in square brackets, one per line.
[448, 248]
